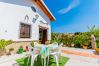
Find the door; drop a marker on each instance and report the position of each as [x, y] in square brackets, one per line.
[42, 35]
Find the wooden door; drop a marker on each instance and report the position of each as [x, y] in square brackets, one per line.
[43, 35]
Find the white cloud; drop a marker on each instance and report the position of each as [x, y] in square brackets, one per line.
[72, 5]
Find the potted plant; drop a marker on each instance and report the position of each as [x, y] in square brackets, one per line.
[97, 50]
[72, 45]
[84, 46]
[32, 43]
[20, 50]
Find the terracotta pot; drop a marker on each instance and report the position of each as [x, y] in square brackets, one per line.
[97, 51]
[72, 45]
[85, 47]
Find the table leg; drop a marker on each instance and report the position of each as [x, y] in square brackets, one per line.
[44, 61]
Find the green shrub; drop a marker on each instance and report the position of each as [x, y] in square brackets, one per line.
[9, 42]
[32, 43]
[97, 44]
[56, 37]
[20, 50]
[4, 43]
[80, 40]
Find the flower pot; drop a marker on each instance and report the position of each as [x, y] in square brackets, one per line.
[85, 47]
[97, 51]
[72, 45]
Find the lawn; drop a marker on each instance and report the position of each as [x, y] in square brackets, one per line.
[62, 61]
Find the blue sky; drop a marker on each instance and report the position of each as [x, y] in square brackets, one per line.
[74, 15]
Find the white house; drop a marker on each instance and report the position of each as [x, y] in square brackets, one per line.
[25, 20]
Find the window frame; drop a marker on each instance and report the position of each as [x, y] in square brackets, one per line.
[24, 29]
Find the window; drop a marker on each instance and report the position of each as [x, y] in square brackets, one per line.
[25, 30]
[33, 8]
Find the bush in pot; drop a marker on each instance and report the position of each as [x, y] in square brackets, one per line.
[20, 50]
[85, 46]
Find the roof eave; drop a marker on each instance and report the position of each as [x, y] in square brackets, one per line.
[45, 9]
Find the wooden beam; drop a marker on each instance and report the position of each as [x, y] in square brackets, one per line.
[44, 9]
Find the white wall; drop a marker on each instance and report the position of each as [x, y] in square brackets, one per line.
[27, 3]
[12, 15]
[18, 2]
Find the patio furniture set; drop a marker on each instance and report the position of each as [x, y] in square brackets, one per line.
[44, 51]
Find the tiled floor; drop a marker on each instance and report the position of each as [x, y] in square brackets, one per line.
[81, 61]
[80, 52]
[80, 57]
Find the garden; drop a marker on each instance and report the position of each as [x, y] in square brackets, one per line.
[78, 39]
[24, 61]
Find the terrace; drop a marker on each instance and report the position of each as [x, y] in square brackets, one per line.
[38, 54]
[33, 43]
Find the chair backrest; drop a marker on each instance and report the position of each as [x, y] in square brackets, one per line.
[36, 48]
[60, 45]
[35, 43]
[30, 48]
[59, 48]
[33, 50]
[53, 47]
[54, 43]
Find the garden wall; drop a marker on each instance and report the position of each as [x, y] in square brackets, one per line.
[16, 46]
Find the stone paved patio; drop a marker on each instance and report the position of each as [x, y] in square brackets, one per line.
[80, 57]
[80, 52]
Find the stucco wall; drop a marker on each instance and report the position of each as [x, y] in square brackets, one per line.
[11, 15]
[18, 2]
